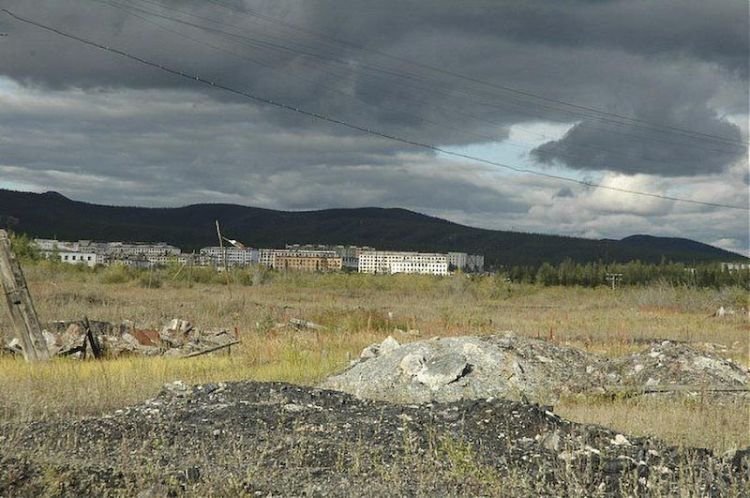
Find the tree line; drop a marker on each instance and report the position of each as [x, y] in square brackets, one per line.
[634, 273]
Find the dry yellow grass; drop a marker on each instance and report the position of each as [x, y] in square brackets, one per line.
[355, 311]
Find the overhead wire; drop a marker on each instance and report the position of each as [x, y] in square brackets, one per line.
[253, 41]
[346, 124]
[521, 92]
[421, 84]
[272, 67]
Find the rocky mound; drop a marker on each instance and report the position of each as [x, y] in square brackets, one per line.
[272, 439]
[519, 368]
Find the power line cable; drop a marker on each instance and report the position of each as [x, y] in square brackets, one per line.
[273, 68]
[352, 126]
[580, 107]
[422, 84]
[258, 43]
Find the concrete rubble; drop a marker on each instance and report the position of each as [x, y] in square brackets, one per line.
[507, 366]
[178, 338]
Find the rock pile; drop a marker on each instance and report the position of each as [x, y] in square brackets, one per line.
[176, 338]
[519, 368]
[274, 439]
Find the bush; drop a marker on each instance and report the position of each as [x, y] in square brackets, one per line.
[23, 247]
[150, 280]
[116, 274]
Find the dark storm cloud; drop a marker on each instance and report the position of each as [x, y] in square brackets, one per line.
[569, 50]
[590, 147]
[137, 134]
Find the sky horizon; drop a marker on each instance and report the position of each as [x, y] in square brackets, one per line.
[524, 116]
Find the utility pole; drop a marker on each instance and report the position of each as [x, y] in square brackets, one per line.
[223, 256]
[613, 278]
[21, 307]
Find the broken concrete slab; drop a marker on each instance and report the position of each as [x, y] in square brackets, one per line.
[505, 366]
[178, 338]
[443, 369]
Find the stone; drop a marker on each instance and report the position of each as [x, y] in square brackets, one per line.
[520, 368]
[620, 440]
[412, 364]
[388, 345]
[551, 441]
[370, 352]
[442, 370]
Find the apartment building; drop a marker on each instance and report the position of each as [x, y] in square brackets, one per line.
[93, 253]
[267, 257]
[466, 262]
[403, 262]
[299, 261]
[235, 256]
[457, 260]
[349, 254]
[124, 249]
[475, 263]
[90, 259]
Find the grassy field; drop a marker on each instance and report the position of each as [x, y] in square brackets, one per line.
[357, 310]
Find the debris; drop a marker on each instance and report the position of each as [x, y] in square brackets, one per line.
[91, 340]
[211, 349]
[508, 366]
[178, 338]
[619, 440]
[304, 324]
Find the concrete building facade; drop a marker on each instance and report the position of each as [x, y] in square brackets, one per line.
[475, 263]
[307, 263]
[349, 254]
[235, 256]
[90, 259]
[457, 260]
[390, 262]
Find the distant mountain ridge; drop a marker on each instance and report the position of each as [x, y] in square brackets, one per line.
[52, 215]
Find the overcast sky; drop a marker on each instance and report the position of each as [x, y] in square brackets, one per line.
[649, 96]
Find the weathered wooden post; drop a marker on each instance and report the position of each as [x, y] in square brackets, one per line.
[21, 307]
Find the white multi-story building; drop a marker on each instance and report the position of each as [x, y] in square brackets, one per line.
[49, 245]
[121, 249]
[94, 253]
[90, 259]
[735, 266]
[403, 262]
[235, 256]
[475, 262]
[457, 260]
[466, 262]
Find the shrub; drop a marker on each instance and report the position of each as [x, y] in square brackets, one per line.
[116, 274]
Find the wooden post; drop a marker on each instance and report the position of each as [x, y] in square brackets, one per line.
[21, 307]
[223, 256]
[96, 348]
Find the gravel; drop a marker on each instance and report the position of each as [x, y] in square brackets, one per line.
[275, 439]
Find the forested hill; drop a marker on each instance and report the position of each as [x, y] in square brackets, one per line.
[51, 215]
